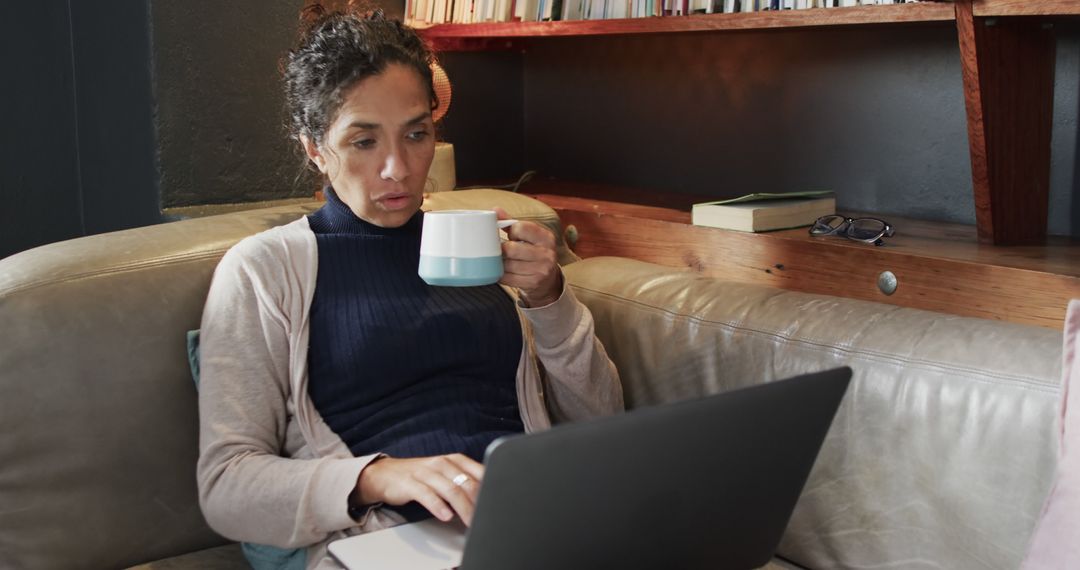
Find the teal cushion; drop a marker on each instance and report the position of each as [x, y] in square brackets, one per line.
[193, 355]
[260, 556]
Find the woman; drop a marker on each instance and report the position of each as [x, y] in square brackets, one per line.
[341, 394]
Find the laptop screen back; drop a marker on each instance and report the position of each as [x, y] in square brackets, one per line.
[707, 483]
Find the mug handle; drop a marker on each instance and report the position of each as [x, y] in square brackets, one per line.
[503, 224]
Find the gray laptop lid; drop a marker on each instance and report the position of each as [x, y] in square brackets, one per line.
[707, 483]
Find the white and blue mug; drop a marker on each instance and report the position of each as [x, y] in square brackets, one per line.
[461, 248]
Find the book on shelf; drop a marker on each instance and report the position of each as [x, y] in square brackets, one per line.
[765, 211]
[423, 13]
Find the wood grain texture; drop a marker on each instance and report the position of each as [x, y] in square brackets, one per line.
[1026, 7]
[453, 36]
[464, 44]
[1008, 75]
[1017, 80]
[969, 65]
[957, 243]
[940, 267]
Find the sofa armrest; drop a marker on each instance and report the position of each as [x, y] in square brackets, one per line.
[943, 449]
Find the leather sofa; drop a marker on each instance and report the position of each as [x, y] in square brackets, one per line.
[941, 454]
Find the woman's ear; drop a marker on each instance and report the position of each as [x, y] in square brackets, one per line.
[313, 153]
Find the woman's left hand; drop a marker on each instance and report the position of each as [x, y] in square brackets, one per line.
[530, 263]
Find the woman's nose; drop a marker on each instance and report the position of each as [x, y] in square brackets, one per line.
[394, 166]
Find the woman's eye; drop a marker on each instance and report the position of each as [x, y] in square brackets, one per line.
[418, 135]
[364, 143]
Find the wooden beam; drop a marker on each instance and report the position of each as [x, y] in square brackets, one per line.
[938, 267]
[1008, 74]
[840, 269]
[1026, 7]
[817, 17]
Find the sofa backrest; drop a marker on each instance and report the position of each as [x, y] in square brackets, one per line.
[98, 418]
[943, 450]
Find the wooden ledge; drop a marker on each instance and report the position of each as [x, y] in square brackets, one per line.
[1026, 7]
[450, 37]
[939, 267]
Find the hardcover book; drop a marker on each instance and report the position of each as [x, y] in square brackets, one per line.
[765, 211]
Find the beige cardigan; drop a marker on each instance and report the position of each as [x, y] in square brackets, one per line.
[270, 471]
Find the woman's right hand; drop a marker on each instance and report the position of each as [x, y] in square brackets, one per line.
[429, 481]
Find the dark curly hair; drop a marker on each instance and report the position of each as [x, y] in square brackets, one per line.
[336, 50]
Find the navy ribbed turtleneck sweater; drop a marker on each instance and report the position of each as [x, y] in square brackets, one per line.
[396, 365]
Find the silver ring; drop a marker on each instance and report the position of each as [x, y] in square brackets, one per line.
[460, 479]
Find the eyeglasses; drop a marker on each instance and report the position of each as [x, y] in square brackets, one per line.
[867, 230]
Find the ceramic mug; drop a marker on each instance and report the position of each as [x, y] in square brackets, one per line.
[461, 248]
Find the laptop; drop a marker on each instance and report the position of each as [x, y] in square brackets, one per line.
[705, 483]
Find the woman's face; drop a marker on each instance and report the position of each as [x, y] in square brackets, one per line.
[378, 149]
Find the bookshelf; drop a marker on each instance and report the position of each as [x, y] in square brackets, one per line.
[1005, 267]
[458, 36]
[1007, 60]
[478, 36]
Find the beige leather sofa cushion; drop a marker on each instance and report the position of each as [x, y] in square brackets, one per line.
[941, 453]
[98, 418]
[98, 410]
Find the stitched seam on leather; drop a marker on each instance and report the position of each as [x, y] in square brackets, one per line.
[979, 375]
[117, 269]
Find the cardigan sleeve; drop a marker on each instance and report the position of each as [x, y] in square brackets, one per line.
[247, 490]
[580, 380]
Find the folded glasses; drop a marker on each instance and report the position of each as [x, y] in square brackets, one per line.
[866, 230]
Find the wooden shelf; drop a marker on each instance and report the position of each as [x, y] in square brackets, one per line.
[940, 267]
[479, 36]
[1026, 7]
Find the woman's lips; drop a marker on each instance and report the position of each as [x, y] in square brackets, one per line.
[396, 201]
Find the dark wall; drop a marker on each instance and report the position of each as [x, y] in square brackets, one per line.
[114, 100]
[875, 114]
[40, 200]
[1065, 152]
[77, 142]
[221, 120]
[221, 115]
[485, 121]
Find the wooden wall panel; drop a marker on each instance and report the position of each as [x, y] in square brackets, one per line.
[1008, 72]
